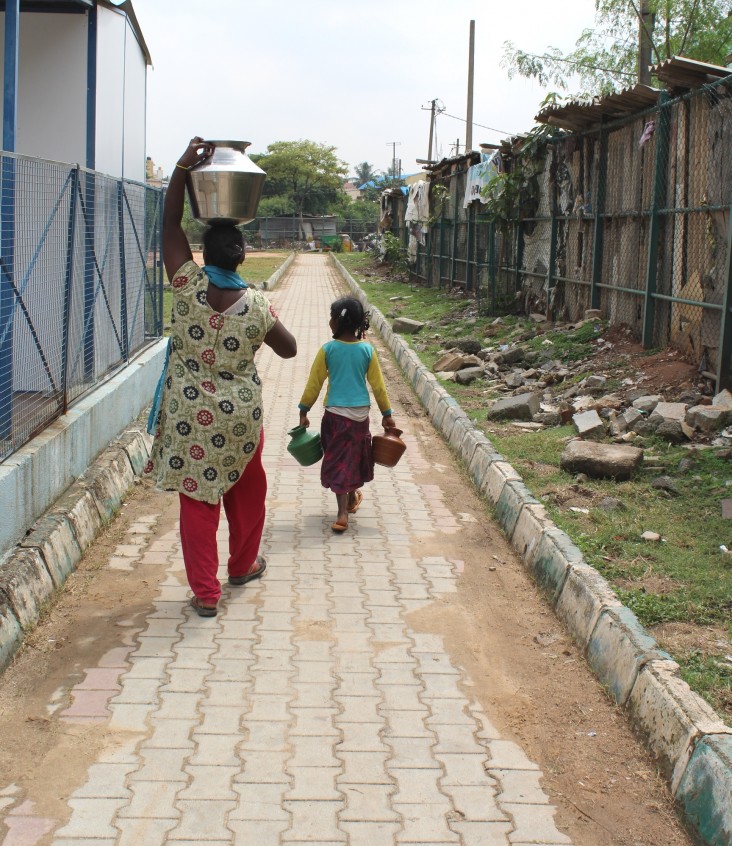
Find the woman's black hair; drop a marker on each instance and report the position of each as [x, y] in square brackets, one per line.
[223, 246]
[349, 316]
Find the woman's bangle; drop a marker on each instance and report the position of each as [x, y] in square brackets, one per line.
[181, 167]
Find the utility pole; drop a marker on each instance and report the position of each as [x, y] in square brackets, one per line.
[432, 130]
[471, 67]
[646, 22]
[393, 145]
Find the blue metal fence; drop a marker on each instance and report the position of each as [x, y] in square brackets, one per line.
[81, 286]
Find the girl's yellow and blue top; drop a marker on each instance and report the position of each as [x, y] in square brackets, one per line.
[348, 366]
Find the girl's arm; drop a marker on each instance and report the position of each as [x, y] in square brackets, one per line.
[376, 379]
[318, 375]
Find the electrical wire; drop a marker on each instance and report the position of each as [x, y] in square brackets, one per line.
[482, 126]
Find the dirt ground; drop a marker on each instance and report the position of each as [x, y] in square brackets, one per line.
[530, 678]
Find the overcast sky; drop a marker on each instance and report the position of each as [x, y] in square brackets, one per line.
[350, 75]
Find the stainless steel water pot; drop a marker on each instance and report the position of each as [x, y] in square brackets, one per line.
[227, 187]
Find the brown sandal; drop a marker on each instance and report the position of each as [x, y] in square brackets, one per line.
[256, 573]
[203, 610]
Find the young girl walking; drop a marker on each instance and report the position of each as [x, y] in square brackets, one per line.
[348, 362]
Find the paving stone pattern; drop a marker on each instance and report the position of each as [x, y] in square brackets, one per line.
[308, 710]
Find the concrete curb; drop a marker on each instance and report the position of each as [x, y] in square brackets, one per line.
[33, 570]
[270, 283]
[692, 745]
[40, 564]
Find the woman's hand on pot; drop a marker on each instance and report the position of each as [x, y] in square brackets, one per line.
[304, 420]
[196, 153]
[388, 422]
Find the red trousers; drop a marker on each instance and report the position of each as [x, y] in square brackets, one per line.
[199, 521]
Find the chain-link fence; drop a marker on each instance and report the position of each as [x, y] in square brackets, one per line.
[291, 231]
[81, 286]
[632, 218]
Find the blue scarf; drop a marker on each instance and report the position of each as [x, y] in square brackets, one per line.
[224, 278]
[221, 279]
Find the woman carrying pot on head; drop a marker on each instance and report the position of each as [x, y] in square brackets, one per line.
[208, 436]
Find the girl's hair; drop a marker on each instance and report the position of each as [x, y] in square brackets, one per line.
[350, 317]
[223, 246]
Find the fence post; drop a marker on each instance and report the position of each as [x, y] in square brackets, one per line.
[68, 287]
[159, 258]
[519, 230]
[654, 223]
[468, 250]
[122, 271]
[552, 250]
[89, 267]
[492, 274]
[725, 328]
[598, 229]
[453, 246]
[7, 297]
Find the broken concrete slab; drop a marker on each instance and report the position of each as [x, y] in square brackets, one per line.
[604, 461]
[708, 418]
[468, 375]
[646, 404]
[589, 424]
[407, 326]
[522, 407]
[448, 362]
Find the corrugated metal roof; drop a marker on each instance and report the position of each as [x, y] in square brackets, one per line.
[680, 74]
[584, 114]
[677, 73]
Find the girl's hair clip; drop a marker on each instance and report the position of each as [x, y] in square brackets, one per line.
[343, 313]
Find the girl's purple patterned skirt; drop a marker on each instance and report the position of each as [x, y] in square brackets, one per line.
[347, 462]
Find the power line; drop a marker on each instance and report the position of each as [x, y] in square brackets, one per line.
[611, 71]
[482, 126]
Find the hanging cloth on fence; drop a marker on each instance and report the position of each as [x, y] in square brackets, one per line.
[479, 177]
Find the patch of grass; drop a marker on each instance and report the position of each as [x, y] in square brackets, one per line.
[570, 345]
[710, 676]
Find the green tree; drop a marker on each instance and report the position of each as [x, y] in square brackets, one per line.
[310, 175]
[605, 58]
[365, 172]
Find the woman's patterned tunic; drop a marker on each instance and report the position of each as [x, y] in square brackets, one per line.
[211, 413]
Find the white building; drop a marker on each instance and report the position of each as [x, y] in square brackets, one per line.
[80, 93]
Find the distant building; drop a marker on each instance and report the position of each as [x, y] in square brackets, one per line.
[350, 187]
[154, 174]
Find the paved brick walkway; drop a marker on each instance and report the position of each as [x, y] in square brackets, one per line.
[308, 710]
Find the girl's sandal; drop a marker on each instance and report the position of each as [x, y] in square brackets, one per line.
[339, 528]
[255, 573]
[352, 509]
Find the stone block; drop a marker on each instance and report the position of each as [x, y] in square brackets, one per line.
[468, 375]
[705, 790]
[532, 522]
[458, 433]
[108, 480]
[618, 648]
[448, 362]
[723, 399]
[483, 456]
[137, 446]
[522, 407]
[648, 403]
[11, 634]
[670, 716]
[551, 559]
[613, 461]
[589, 424]
[54, 537]
[26, 584]
[79, 505]
[708, 418]
[497, 474]
[470, 443]
[452, 415]
[513, 497]
[407, 326]
[425, 391]
[584, 596]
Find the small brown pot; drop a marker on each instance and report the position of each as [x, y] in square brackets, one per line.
[388, 448]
